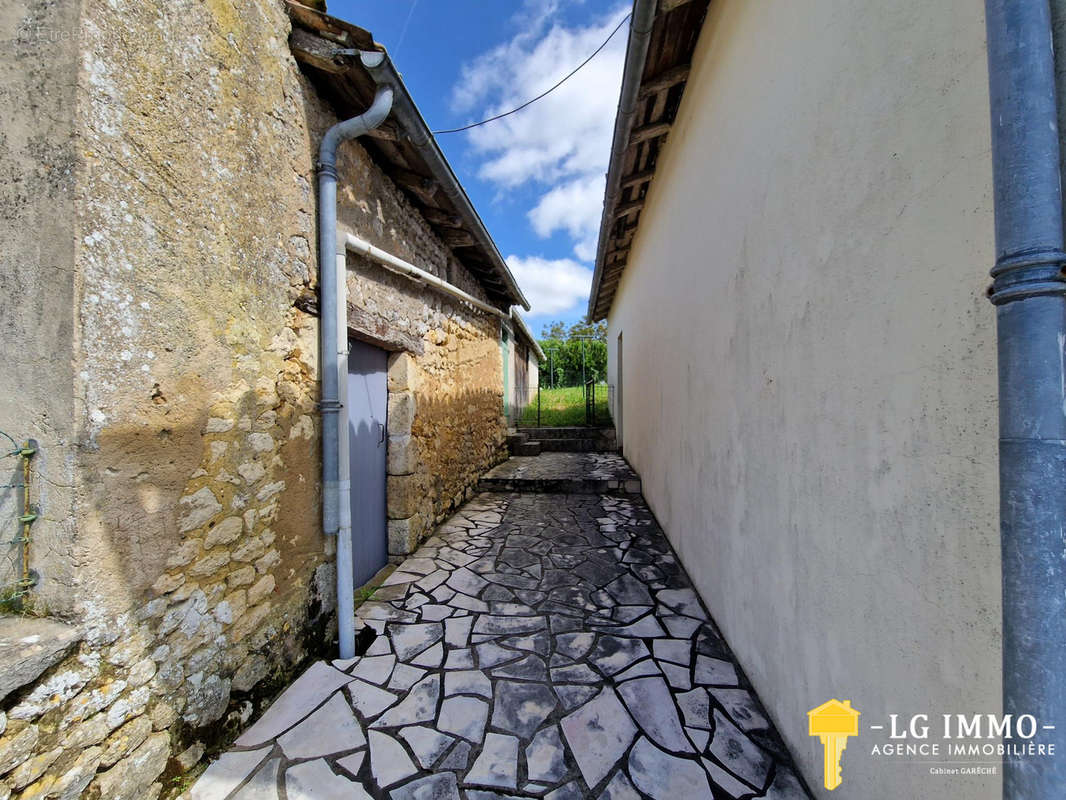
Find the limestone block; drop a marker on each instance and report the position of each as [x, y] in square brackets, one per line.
[186, 552]
[241, 577]
[402, 455]
[253, 670]
[200, 507]
[262, 588]
[17, 748]
[167, 583]
[402, 372]
[403, 496]
[33, 768]
[125, 740]
[211, 563]
[131, 778]
[404, 535]
[401, 412]
[224, 532]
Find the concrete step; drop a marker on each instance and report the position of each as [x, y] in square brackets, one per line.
[526, 449]
[569, 432]
[515, 441]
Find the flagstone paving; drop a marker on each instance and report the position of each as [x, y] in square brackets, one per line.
[574, 473]
[537, 646]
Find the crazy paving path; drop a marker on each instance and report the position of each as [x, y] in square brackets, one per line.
[538, 646]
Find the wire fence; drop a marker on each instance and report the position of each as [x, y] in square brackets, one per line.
[19, 513]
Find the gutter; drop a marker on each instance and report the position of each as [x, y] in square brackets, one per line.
[524, 329]
[636, 54]
[336, 486]
[384, 74]
[1029, 292]
[398, 265]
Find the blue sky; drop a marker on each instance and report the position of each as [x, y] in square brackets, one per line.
[535, 177]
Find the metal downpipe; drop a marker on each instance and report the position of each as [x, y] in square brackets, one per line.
[336, 494]
[1028, 291]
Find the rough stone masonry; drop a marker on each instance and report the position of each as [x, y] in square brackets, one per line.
[162, 331]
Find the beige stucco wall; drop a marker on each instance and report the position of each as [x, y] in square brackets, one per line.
[809, 365]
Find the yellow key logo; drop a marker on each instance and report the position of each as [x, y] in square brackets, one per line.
[833, 723]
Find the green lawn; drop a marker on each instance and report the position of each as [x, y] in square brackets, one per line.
[566, 406]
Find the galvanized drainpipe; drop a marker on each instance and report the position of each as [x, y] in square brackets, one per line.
[336, 486]
[1028, 291]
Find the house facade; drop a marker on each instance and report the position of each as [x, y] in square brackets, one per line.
[794, 265]
[162, 332]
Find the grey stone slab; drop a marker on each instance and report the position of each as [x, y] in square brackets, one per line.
[497, 765]
[520, 708]
[576, 673]
[457, 759]
[644, 628]
[695, 707]
[467, 582]
[598, 733]
[410, 640]
[738, 753]
[472, 681]
[574, 645]
[263, 784]
[491, 623]
[468, 603]
[308, 691]
[652, 707]
[353, 763]
[531, 668]
[741, 705]
[374, 669]
[431, 787]
[545, 758]
[683, 601]
[457, 631]
[427, 744]
[369, 700]
[333, 728]
[433, 580]
[681, 627]
[619, 788]
[569, 791]
[389, 762]
[678, 676]
[227, 773]
[431, 657]
[464, 716]
[420, 705]
[715, 672]
[627, 590]
[489, 654]
[314, 780]
[666, 777]
[404, 677]
[725, 782]
[677, 651]
[29, 646]
[435, 612]
[638, 670]
[699, 738]
[460, 659]
[612, 654]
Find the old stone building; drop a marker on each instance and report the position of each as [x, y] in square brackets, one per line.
[161, 337]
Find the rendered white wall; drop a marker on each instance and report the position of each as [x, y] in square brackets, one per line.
[809, 366]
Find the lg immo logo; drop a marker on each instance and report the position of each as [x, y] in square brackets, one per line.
[833, 723]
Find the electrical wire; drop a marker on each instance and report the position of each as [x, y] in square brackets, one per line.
[545, 93]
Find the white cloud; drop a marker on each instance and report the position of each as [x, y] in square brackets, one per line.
[561, 142]
[551, 285]
[574, 207]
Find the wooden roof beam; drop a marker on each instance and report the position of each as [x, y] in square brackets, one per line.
[664, 81]
[625, 208]
[637, 178]
[651, 131]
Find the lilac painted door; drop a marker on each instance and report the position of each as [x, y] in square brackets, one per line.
[367, 404]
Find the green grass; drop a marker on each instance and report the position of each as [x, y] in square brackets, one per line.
[566, 406]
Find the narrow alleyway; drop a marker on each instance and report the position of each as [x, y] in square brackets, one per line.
[539, 645]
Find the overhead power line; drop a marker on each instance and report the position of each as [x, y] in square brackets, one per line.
[545, 93]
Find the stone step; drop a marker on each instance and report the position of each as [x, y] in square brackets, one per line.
[576, 446]
[527, 449]
[563, 473]
[569, 432]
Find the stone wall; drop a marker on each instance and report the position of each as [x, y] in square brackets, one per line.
[189, 556]
[445, 386]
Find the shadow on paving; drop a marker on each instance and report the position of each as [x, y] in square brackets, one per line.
[538, 645]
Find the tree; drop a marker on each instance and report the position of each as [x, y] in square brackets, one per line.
[566, 344]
